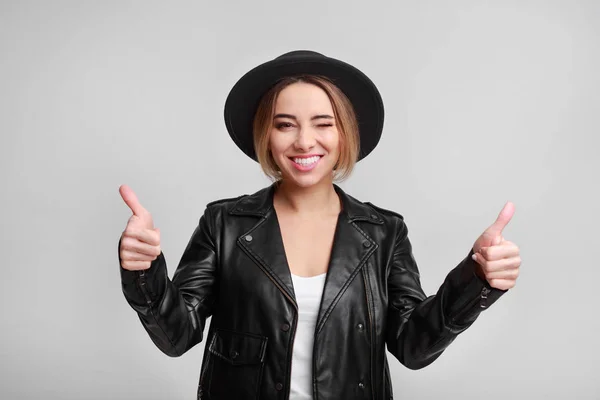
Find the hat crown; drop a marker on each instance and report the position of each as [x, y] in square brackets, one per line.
[299, 53]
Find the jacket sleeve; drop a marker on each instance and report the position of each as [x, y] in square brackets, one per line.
[420, 328]
[174, 312]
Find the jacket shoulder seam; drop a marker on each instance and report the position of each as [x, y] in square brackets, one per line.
[385, 211]
[225, 200]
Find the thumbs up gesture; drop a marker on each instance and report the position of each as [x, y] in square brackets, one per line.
[140, 241]
[498, 259]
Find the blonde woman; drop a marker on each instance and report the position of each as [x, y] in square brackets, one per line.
[306, 285]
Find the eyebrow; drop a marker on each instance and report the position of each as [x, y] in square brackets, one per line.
[290, 116]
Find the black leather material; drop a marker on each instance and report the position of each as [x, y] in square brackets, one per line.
[234, 269]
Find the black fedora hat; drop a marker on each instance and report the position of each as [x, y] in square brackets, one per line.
[243, 99]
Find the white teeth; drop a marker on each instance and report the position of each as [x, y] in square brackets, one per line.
[306, 161]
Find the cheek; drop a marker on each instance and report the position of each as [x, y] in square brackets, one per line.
[276, 145]
[333, 141]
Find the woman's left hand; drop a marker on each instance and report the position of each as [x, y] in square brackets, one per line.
[498, 259]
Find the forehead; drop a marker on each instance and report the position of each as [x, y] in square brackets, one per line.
[301, 97]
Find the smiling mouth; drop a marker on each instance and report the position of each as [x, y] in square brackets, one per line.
[305, 164]
[305, 161]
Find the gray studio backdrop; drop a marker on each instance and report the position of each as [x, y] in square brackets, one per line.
[486, 102]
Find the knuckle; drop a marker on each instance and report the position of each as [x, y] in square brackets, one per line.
[485, 266]
[129, 239]
[489, 254]
[130, 255]
[135, 256]
[125, 241]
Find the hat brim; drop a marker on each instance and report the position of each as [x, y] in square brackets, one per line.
[243, 100]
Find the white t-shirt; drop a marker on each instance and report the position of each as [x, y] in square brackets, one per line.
[308, 292]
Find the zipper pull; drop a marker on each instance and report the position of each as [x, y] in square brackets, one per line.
[483, 297]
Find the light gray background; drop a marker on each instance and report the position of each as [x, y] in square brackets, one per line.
[485, 102]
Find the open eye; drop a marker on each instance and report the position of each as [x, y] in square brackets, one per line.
[283, 125]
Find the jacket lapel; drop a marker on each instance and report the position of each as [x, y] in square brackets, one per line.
[351, 246]
[263, 242]
[266, 248]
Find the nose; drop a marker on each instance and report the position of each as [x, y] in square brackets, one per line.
[305, 140]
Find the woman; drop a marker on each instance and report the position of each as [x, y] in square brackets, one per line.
[306, 285]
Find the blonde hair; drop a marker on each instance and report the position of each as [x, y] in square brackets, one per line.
[344, 115]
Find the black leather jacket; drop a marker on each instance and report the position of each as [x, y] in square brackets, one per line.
[234, 269]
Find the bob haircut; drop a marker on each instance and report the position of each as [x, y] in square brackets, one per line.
[344, 115]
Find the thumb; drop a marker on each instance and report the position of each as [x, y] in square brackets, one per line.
[132, 201]
[503, 219]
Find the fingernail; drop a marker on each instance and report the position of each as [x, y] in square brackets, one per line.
[474, 256]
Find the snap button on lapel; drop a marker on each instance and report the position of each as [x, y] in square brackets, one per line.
[366, 243]
[373, 216]
[233, 354]
[248, 238]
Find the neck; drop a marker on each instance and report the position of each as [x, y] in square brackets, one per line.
[320, 198]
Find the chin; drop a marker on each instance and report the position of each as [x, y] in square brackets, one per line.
[308, 180]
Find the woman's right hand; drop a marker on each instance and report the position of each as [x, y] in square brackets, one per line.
[140, 241]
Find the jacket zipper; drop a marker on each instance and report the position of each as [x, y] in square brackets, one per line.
[482, 299]
[144, 289]
[367, 293]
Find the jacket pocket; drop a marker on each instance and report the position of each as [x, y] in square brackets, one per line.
[236, 365]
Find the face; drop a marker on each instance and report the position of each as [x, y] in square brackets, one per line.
[304, 139]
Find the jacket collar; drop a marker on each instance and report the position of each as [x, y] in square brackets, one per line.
[261, 203]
